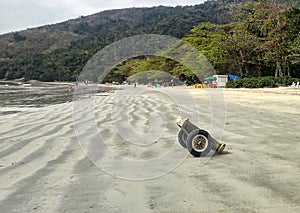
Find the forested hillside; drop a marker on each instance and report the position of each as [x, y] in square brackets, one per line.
[261, 39]
[59, 51]
[250, 39]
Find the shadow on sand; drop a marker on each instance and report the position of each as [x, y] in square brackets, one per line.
[223, 153]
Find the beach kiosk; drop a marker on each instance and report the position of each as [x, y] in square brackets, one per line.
[210, 82]
[221, 80]
[216, 81]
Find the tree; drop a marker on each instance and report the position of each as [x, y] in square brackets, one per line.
[18, 37]
[293, 43]
[267, 21]
[262, 38]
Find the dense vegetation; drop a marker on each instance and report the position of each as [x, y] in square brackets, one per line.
[259, 82]
[60, 51]
[261, 40]
[245, 38]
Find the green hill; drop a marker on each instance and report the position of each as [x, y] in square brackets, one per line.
[59, 51]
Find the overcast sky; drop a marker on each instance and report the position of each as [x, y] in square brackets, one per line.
[21, 14]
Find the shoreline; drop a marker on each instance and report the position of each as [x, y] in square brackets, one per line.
[37, 82]
[275, 90]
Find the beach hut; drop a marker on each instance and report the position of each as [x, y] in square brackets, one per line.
[216, 81]
[221, 80]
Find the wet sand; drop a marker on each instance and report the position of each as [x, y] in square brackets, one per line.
[43, 168]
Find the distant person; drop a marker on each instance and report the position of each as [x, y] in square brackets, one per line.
[134, 85]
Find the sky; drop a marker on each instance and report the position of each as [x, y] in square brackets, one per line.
[18, 15]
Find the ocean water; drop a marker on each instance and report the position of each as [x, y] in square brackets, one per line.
[33, 95]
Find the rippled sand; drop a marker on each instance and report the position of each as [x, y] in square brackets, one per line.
[43, 168]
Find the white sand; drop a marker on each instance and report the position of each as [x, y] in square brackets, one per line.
[43, 169]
